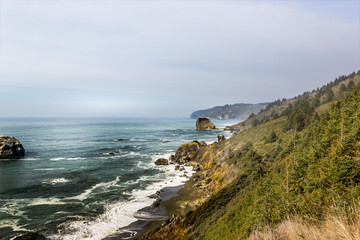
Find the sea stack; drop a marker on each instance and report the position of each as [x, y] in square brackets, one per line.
[204, 124]
[10, 147]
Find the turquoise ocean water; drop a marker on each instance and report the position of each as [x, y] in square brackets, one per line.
[69, 187]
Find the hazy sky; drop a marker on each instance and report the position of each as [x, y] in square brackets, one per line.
[77, 58]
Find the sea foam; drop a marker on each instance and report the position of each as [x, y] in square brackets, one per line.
[119, 214]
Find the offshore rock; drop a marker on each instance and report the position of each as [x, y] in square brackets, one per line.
[10, 147]
[204, 124]
[30, 236]
[162, 161]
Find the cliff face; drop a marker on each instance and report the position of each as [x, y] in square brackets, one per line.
[301, 164]
[235, 111]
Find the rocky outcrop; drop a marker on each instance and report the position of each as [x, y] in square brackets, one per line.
[228, 128]
[186, 152]
[162, 161]
[204, 124]
[30, 236]
[221, 138]
[10, 147]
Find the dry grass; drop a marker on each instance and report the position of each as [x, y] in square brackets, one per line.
[340, 226]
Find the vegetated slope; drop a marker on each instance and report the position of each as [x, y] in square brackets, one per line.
[234, 111]
[320, 98]
[302, 164]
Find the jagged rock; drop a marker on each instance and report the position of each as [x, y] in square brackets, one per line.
[181, 168]
[171, 158]
[162, 161]
[203, 144]
[30, 236]
[156, 203]
[10, 147]
[186, 152]
[177, 167]
[204, 124]
[196, 167]
[221, 138]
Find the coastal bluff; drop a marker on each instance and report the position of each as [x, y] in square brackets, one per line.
[204, 124]
[10, 147]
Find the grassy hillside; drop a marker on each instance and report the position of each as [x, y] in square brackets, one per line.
[300, 166]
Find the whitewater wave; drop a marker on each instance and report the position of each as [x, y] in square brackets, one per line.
[69, 159]
[89, 191]
[119, 214]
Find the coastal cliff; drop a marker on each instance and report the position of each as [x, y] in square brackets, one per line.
[298, 169]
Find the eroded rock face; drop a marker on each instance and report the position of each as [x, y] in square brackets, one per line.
[10, 147]
[204, 124]
[186, 152]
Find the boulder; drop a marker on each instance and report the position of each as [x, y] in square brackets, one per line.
[30, 236]
[221, 138]
[186, 152]
[162, 161]
[177, 167]
[228, 128]
[10, 147]
[204, 124]
[171, 158]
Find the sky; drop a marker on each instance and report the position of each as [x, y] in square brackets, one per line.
[167, 58]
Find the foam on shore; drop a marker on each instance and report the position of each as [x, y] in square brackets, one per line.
[120, 214]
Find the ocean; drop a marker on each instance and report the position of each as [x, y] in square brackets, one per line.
[68, 186]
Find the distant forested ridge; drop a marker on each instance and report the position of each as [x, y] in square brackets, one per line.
[234, 111]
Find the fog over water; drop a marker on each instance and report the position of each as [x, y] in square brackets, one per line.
[168, 58]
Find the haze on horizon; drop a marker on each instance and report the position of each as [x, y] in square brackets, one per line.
[168, 58]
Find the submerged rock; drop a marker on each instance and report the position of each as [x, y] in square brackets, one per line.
[162, 161]
[10, 147]
[30, 236]
[204, 124]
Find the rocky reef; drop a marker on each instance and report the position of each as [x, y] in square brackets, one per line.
[10, 147]
[30, 236]
[204, 124]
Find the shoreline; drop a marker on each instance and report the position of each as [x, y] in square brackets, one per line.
[175, 201]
